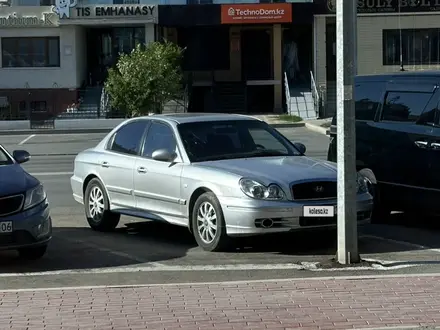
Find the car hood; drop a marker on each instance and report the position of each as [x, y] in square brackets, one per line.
[14, 179]
[277, 169]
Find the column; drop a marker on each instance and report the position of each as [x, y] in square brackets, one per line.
[150, 33]
[277, 43]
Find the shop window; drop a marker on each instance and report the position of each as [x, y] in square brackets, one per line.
[38, 106]
[47, 2]
[419, 46]
[31, 52]
[206, 49]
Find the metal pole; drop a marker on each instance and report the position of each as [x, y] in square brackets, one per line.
[346, 35]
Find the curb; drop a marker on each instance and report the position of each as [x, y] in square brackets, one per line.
[100, 130]
[316, 128]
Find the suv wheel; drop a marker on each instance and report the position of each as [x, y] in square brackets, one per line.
[97, 208]
[32, 253]
[208, 223]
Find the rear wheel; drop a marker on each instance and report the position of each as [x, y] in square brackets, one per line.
[97, 208]
[32, 253]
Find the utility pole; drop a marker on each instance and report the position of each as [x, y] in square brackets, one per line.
[346, 63]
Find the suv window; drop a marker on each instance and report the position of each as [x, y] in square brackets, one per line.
[128, 139]
[367, 97]
[404, 106]
[160, 136]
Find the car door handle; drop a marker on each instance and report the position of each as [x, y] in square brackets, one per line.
[105, 164]
[422, 144]
[435, 145]
[141, 169]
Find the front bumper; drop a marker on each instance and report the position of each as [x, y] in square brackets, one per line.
[243, 216]
[30, 228]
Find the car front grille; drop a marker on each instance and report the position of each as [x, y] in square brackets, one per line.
[314, 190]
[11, 204]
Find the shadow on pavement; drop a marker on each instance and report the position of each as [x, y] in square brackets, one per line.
[83, 248]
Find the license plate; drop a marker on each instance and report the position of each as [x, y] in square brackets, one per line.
[319, 211]
[6, 227]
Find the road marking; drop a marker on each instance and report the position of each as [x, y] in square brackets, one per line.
[159, 267]
[51, 173]
[404, 243]
[192, 284]
[26, 140]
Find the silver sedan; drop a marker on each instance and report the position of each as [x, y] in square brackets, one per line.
[220, 175]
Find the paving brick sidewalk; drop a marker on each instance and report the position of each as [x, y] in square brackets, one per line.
[311, 304]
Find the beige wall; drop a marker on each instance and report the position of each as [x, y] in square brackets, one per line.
[370, 42]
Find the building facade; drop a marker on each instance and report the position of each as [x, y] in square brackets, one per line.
[386, 29]
[249, 56]
[54, 57]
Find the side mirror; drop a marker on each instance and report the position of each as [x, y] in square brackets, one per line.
[21, 156]
[301, 147]
[163, 155]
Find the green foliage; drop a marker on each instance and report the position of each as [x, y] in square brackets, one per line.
[144, 80]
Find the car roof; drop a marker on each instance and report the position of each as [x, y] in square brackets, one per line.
[400, 75]
[183, 118]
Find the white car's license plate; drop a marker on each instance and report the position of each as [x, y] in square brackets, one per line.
[5, 227]
[319, 211]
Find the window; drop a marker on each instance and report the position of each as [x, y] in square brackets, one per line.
[215, 140]
[160, 136]
[419, 46]
[38, 106]
[31, 52]
[367, 97]
[4, 158]
[404, 106]
[128, 139]
[264, 138]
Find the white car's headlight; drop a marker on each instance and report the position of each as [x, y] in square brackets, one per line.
[362, 186]
[257, 190]
[34, 197]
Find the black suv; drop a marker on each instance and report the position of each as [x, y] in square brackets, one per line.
[398, 140]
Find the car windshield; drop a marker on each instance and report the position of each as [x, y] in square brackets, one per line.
[4, 158]
[216, 140]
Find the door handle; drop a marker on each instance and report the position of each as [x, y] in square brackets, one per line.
[141, 169]
[435, 145]
[422, 144]
[105, 164]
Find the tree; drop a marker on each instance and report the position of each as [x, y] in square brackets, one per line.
[145, 79]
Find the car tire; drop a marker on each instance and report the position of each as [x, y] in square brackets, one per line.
[34, 253]
[208, 223]
[97, 207]
[380, 214]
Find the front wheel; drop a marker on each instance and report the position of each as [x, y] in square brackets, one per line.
[97, 208]
[208, 223]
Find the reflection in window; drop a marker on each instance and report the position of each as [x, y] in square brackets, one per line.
[160, 136]
[31, 52]
[405, 106]
[128, 138]
[367, 96]
[38, 106]
[419, 46]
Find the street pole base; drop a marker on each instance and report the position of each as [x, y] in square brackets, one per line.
[348, 258]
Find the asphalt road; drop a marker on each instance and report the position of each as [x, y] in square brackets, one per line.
[147, 252]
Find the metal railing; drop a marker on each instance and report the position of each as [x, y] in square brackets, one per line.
[315, 95]
[287, 92]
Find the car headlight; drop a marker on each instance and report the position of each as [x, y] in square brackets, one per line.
[257, 190]
[362, 185]
[34, 197]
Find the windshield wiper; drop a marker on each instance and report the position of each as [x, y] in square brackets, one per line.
[256, 153]
[266, 153]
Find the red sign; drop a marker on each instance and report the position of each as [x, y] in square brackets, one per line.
[256, 13]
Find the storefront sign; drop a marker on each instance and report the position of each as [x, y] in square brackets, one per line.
[16, 20]
[388, 6]
[66, 9]
[256, 13]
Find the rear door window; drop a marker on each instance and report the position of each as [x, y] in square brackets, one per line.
[405, 106]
